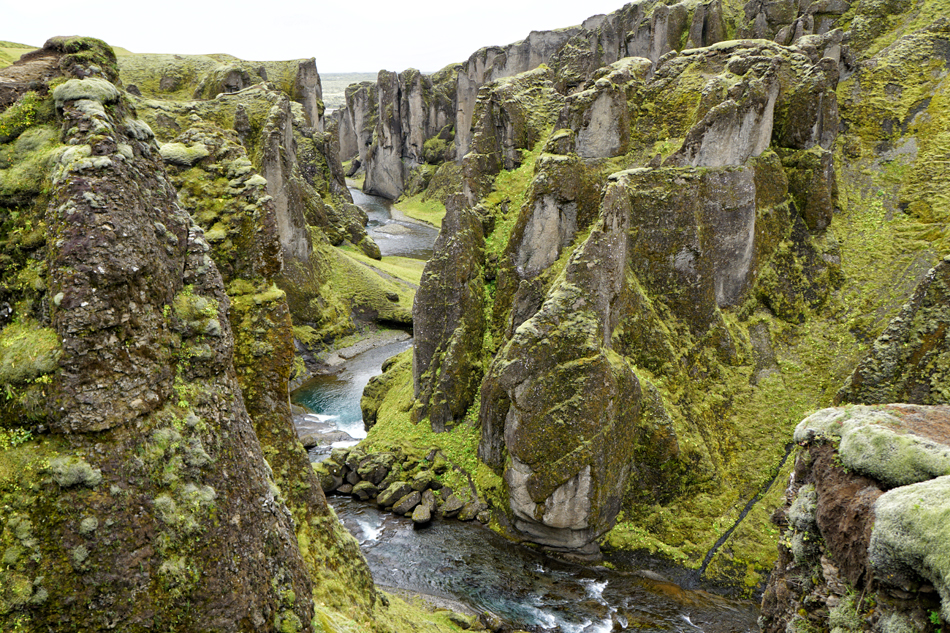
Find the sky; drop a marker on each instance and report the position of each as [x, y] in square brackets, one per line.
[343, 35]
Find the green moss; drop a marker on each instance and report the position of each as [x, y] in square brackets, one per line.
[395, 432]
[183, 155]
[92, 88]
[403, 268]
[74, 471]
[28, 111]
[27, 352]
[366, 292]
[868, 446]
[909, 536]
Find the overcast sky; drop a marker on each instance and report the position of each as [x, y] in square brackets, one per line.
[343, 35]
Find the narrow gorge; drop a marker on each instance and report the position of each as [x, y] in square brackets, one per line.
[683, 327]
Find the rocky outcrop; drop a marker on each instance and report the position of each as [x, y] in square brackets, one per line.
[862, 545]
[412, 110]
[162, 476]
[908, 362]
[492, 63]
[240, 224]
[300, 169]
[357, 121]
[184, 77]
[560, 407]
[449, 320]
[699, 235]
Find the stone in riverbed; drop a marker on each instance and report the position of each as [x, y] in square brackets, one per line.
[375, 467]
[345, 489]
[353, 478]
[406, 504]
[452, 506]
[355, 457]
[469, 512]
[311, 440]
[365, 490]
[428, 500]
[328, 476]
[423, 480]
[391, 495]
[422, 514]
[339, 455]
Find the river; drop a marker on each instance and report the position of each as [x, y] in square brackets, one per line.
[471, 565]
[394, 233]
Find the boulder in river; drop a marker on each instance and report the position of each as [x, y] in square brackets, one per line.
[393, 494]
[421, 514]
[375, 467]
[423, 480]
[365, 490]
[406, 504]
[452, 506]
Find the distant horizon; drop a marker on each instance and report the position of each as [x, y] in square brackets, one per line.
[424, 35]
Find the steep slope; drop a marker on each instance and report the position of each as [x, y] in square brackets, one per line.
[658, 261]
[142, 473]
[150, 474]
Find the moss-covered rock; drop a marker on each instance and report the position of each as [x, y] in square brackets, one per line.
[861, 518]
[909, 361]
[132, 356]
[449, 321]
[910, 530]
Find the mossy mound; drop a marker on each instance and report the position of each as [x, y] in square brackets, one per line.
[874, 441]
[866, 513]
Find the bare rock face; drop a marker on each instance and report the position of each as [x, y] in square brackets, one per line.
[357, 121]
[860, 515]
[412, 110]
[277, 166]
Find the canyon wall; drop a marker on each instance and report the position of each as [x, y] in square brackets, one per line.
[150, 472]
[666, 247]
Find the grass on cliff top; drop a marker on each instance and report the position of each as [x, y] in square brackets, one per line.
[431, 210]
[11, 52]
[404, 268]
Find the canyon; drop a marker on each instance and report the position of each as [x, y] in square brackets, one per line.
[688, 304]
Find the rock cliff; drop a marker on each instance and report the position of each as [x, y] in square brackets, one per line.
[150, 474]
[690, 241]
[142, 472]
